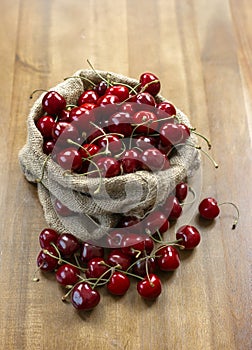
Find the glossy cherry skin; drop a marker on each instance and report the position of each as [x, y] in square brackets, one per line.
[117, 257]
[67, 274]
[63, 131]
[46, 262]
[133, 243]
[61, 209]
[144, 142]
[48, 147]
[170, 134]
[185, 132]
[168, 258]
[131, 223]
[90, 251]
[96, 268]
[88, 96]
[107, 99]
[139, 267]
[82, 119]
[64, 115]
[157, 221]
[101, 88]
[167, 107]
[172, 208]
[145, 98]
[148, 119]
[119, 123]
[152, 159]
[69, 159]
[146, 79]
[67, 244]
[83, 297]
[208, 208]
[150, 287]
[53, 102]
[109, 167]
[45, 124]
[113, 142]
[88, 150]
[122, 92]
[181, 191]
[47, 236]
[118, 284]
[189, 235]
[130, 161]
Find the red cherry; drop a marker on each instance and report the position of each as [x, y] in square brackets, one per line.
[172, 208]
[181, 191]
[48, 147]
[148, 118]
[67, 244]
[145, 98]
[90, 251]
[82, 118]
[141, 266]
[114, 143]
[83, 297]
[185, 132]
[69, 159]
[107, 100]
[168, 258]
[133, 243]
[122, 92]
[145, 141]
[101, 88]
[63, 131]
[109, 167]
[118, 283]
[61, 209]
[119, 123]
[157, 221]
[67, 274]
[88, 106]
[96, 268]
[128, 107]
[88, 150]
[150, 287]
[117, 257]
[208, 208]
[53, 102]
[189, 235]
[45, 124]
[88, 96]
[130, 222]
[130, 161]
[167, 107]
[170, 134]
[46, 262]
[146, 79]
[64, 115]
[152, 159]
[47, 236]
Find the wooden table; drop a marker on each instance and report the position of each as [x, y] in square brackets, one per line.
[201, 50]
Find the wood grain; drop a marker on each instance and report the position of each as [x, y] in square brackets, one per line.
[202, 52]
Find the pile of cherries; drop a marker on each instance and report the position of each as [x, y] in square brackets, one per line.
[113, 129]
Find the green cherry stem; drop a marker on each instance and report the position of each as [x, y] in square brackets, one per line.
[203, 137]
[237, 213]
[82, 78]
[148, 84]
[96, 72]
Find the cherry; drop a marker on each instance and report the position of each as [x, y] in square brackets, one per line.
[170, 134]
[67, 244]
[96, 268]
[208, 208]
[128, 107]
[121, 91]
[45, 124]
[107, 100]
[117, 257]
[69, 159]
[101, 88]
[88, 96]
[47, 236]
[53, 102]
[119, 123]
[146, 79]
[148, 119]
[67, 274]
[157, 221]
[181, 191]
[185, 132]
[142, 266]
[168, 258]
[90, 251]
[46, 262]
[167, 107]
[145, 98]
[108, 166]
[114, 143]
[63, 131]
[118, 283]
[172, 208]
[61, 209]
[83, 297]
[114, 238]
[48, 147]
[189, 236]
[150, 287]
[144, 141]
[88, 150]
[154, 160]
[88, 106]
[130, 161]
[133, 244]
[64, 115]
[130, 222]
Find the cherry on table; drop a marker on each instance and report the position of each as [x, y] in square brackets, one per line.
[150, 287]
[167, 258]
[83, 297]
[181, 191]
[157, 221]
[90, 251]
[47, 262]
[117, 257]
[96, 267]
[67, 274]
[118, 283]
[189, 237]
[209, 209]
[47, 236]
[67, 244]
[142, 266]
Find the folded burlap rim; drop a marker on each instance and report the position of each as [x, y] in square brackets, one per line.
[131, 194]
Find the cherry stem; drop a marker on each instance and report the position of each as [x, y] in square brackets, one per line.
[127, 85]
[208, 156]
[194, 197]
[237, 213]
[37, 90]
[123, 150]
[82, 78]
[99, 75]
[38, 180]
[203, 137]
[111, 270]
[148, 84]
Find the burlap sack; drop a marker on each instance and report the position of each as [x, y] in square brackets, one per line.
[131, 194]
